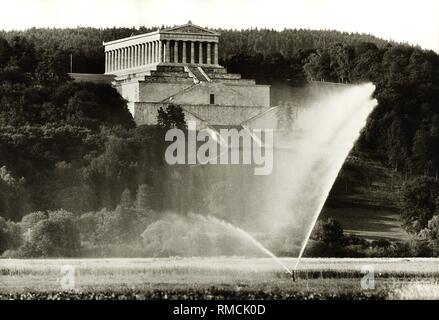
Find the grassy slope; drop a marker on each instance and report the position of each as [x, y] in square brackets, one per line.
[365, 200]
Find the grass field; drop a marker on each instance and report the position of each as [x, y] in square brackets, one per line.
[369, 224]
[218, 278]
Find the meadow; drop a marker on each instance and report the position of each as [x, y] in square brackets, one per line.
[219, 278]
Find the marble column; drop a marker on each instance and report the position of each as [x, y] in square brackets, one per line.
[120, 59]
[148, 48]
[200, 53]
[132, 56]
[151, 52]
[141, 54]
[127, 62]
[208, 53]
[125, 58]
[128, 57]
[112, 60]
[215, 53]
[135, 56]
[106, 62]
[156, 56]
[168, 51]
[147, 53]
[183, 54]
[109, 61]
[192, 52]
[175, 51]
[159, 51]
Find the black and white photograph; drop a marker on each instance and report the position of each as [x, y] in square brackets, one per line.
[226, 150]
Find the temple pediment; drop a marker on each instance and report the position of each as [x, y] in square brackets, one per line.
[190, 28]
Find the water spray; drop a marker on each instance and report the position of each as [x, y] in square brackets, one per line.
[249, 237]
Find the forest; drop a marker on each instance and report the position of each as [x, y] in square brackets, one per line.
[76, 171]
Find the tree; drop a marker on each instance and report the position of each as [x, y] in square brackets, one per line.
[5, 52]
[421, 151]
[396, 145]
[341, 61]
[431, 234]
[10, 235]
[52, 69]
[12, 194]
[311, 67]
[144, 197]
[173, 117]
[126, 200]
[109, 228]
[57, 236]
[23, 54]
[87, 227]
[30, 220]
[328, 231]
[419, 203]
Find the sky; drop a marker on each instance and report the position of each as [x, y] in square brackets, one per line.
[414, 22]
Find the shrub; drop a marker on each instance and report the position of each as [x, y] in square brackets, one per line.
[419, 203]
[52, 234]
[29, 221]
[10, 235]
[328, 231]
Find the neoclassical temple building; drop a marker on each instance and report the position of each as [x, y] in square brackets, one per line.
[179, 65]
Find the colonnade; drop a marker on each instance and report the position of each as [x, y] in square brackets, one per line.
[168, 51]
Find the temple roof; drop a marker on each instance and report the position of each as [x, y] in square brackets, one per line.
[189, 28]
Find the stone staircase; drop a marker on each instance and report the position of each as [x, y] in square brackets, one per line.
[199, 74]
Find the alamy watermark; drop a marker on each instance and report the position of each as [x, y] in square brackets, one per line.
[368, 280]
[68, 278]
[228, 146]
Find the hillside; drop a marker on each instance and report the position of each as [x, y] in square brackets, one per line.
[366, 200]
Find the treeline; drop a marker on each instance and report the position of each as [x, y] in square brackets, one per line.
[274, 49]
[403, 129]
[133, 229]
[60, 233]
